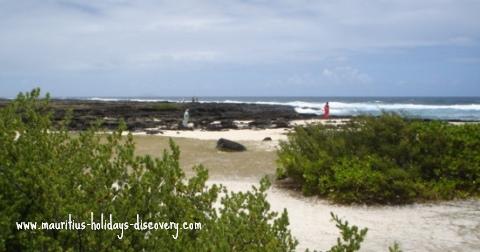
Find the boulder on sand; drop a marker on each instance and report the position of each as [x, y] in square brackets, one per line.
[228, 145]
[260, 123]
[153, 131]
[281, 123]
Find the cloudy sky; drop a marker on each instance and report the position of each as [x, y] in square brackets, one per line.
[240, 47]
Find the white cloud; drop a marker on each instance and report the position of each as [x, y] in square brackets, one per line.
[303, 79]
[345, 75]
[466, 60]
[116, 34]
[462, 41]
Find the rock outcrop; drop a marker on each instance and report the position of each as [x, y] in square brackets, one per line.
[168, 115]
[228, 145]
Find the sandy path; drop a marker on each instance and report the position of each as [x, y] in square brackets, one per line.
[445, 226]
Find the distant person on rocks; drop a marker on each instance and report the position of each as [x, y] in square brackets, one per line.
[326, 111]
[186, 118]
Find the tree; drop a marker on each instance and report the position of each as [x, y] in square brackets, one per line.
[48, 173]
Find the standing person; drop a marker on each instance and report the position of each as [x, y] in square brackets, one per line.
[186, 118]
[326, 111]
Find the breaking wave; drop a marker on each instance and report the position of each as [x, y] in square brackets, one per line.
[448, 110]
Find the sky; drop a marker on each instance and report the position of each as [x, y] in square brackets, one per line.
[108, 48]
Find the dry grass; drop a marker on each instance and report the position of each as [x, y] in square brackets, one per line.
[255, 163]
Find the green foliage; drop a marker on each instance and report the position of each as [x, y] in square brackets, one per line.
[48, 173]
[394, 248]
[351, 236]
[386, 159]
[163, 106]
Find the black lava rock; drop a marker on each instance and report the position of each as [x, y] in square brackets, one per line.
[228, 145]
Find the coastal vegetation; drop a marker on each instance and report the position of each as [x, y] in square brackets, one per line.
[166, 106]
[49, 175]
[387, 159]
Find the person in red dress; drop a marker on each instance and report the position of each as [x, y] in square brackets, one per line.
[326, 111]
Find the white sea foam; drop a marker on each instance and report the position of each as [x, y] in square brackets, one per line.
[103, 99]
[131, 99]
[448, 111]
[451, 111]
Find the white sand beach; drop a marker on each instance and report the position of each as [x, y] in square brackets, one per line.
[276, 135]
[442, 226]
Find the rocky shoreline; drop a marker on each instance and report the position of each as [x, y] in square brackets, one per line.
[140, 116]
[152, 117]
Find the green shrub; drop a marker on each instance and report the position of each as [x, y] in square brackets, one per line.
[351, 236]
[46, 173]
[386, 159]
[163, 106]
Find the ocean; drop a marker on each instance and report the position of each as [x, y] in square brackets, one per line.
[444, 108]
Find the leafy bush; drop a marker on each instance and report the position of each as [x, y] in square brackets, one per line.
[162, 106]
[48, 173]
[386, 159]
[352, 237]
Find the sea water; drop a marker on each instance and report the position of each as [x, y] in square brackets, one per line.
[445, 108]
